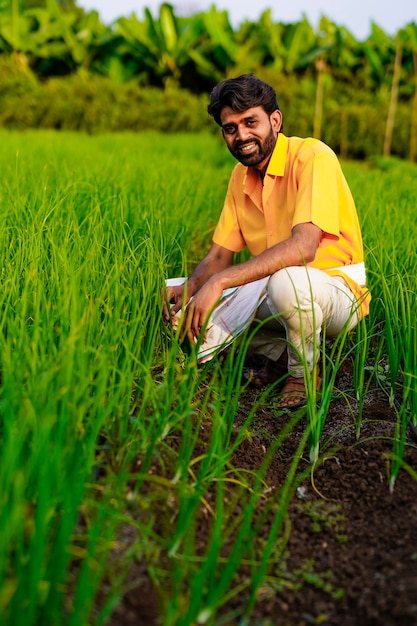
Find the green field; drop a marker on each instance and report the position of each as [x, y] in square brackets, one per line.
[108, 429]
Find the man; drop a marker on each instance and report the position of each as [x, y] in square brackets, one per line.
[289, 203]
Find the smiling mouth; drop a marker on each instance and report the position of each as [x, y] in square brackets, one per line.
[248, 147]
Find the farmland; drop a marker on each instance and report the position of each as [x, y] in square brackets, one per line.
[139, 488]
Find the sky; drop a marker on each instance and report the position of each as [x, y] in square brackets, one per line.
[356, 15]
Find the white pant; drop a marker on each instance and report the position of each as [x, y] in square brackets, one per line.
[303, 301]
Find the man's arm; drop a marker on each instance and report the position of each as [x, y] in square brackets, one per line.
[218, 259]
[299, 249]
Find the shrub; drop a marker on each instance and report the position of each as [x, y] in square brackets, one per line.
[95, 104]
[353, 124]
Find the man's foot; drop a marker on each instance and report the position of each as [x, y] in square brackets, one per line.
[294, 393]
[266, 374]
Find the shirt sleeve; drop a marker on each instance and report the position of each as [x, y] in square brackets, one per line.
[320, 180]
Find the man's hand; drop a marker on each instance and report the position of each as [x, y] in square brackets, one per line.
[200, 307]
[197, 310]
[176, 297]
[173, 301]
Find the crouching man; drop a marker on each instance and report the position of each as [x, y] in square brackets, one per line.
[288, 202]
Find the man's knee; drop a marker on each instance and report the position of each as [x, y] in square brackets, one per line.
[288, 289]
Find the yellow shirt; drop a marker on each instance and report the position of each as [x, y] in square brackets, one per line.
[303, 183]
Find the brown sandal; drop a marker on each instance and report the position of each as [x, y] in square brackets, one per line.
[294, 394]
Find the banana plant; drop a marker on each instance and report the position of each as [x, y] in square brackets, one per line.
[160, 46]
[405, 45]
[332, 50]
[412, 28]
[389, 128]
[298, 39]
[15, 30]
[266, 40]
[318, 56]
[276, 45]
[378, 52]
[55, 41]
[222, 52]
[82, 34]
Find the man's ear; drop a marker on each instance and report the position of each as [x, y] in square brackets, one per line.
[276, 120]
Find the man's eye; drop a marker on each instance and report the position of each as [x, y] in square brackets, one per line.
[251, 123]
[229, 130]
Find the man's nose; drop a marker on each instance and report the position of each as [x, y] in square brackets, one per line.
[242, 133]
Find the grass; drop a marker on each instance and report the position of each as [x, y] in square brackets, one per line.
[107, 427]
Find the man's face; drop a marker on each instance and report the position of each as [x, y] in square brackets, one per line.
[251, 135]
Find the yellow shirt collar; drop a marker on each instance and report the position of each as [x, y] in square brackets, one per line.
[276, 165]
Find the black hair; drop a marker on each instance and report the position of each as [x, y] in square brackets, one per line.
[240, 94]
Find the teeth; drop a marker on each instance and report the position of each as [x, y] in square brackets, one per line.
[247, 147]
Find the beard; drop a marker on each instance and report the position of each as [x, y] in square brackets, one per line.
[263, 150]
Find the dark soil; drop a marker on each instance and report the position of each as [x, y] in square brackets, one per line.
[351, 558]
